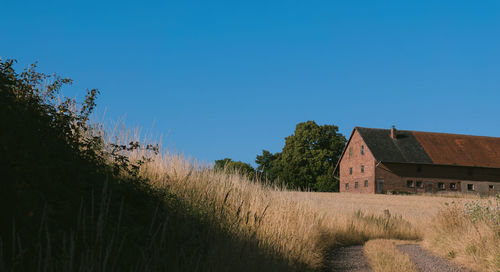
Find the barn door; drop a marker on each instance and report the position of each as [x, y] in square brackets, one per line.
[491, 190]
[428, 187]
[380, 186]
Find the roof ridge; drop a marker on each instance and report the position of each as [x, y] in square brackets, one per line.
[430, 132]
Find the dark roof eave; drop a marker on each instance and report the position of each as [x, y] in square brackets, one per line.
[436, 164]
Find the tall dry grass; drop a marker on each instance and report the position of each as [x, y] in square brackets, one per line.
[295, 229]
[383, 256]
[468, 233]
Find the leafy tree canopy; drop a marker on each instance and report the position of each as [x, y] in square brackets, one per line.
[308, 158]
[229, 165]
[269, 165]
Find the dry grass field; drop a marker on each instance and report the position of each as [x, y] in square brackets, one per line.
[414, 209]
[461, 228]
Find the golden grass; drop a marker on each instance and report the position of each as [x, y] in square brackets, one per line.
[467, 234]
[416, 209]
[383, 256]
[296, 228]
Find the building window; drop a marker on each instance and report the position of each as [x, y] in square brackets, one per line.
[350, 151]
[356, 185]
[350, 171]
[362, 168]
[362, 150]
[441, 186]
[453, 186]
[347, 186]
[491, 186]
[419, 169]
[419, 184]
[409, 183]
[366, 183]
[470, 187]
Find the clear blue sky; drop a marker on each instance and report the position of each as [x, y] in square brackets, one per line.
[230, 78]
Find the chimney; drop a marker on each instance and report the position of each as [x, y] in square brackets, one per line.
[394, 133]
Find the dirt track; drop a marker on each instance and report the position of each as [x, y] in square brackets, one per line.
[348, 259]
[352, 259]
[427, 262]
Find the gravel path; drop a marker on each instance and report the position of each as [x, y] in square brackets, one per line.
[426, 262]
[348, 259]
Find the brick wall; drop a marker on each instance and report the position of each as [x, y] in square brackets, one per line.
[354, 159]
[444, 171]
[418, 184]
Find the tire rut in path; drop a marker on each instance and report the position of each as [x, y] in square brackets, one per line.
[347, 259]
[427, 262]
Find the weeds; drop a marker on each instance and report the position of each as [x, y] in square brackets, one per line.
[469, 233]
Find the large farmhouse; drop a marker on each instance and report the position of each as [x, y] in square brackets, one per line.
[390, 160]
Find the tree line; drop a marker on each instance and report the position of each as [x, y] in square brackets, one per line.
[306, 162]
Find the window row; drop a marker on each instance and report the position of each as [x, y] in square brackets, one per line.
[441, 185]
[362, 150]
[362, 169]
[356, 185]
[471, 187]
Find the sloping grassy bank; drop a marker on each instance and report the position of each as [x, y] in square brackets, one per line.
[71, 202]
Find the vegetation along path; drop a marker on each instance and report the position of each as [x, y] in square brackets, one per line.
[427, 262]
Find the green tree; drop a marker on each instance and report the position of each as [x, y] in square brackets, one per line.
[269, 166]
[229, 165]
[308, 158]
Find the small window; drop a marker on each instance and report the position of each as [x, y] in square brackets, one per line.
[409, 183]
[362, 168]
[362, 150]
[470, 187]
[366, 183]
[350, 151]
[419, 184]
[347, 185]
[350, 171]
[356, 185]
[491, 186]
[453, 186]
[441, 186]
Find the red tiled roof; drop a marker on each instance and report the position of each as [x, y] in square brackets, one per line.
[463, 150]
